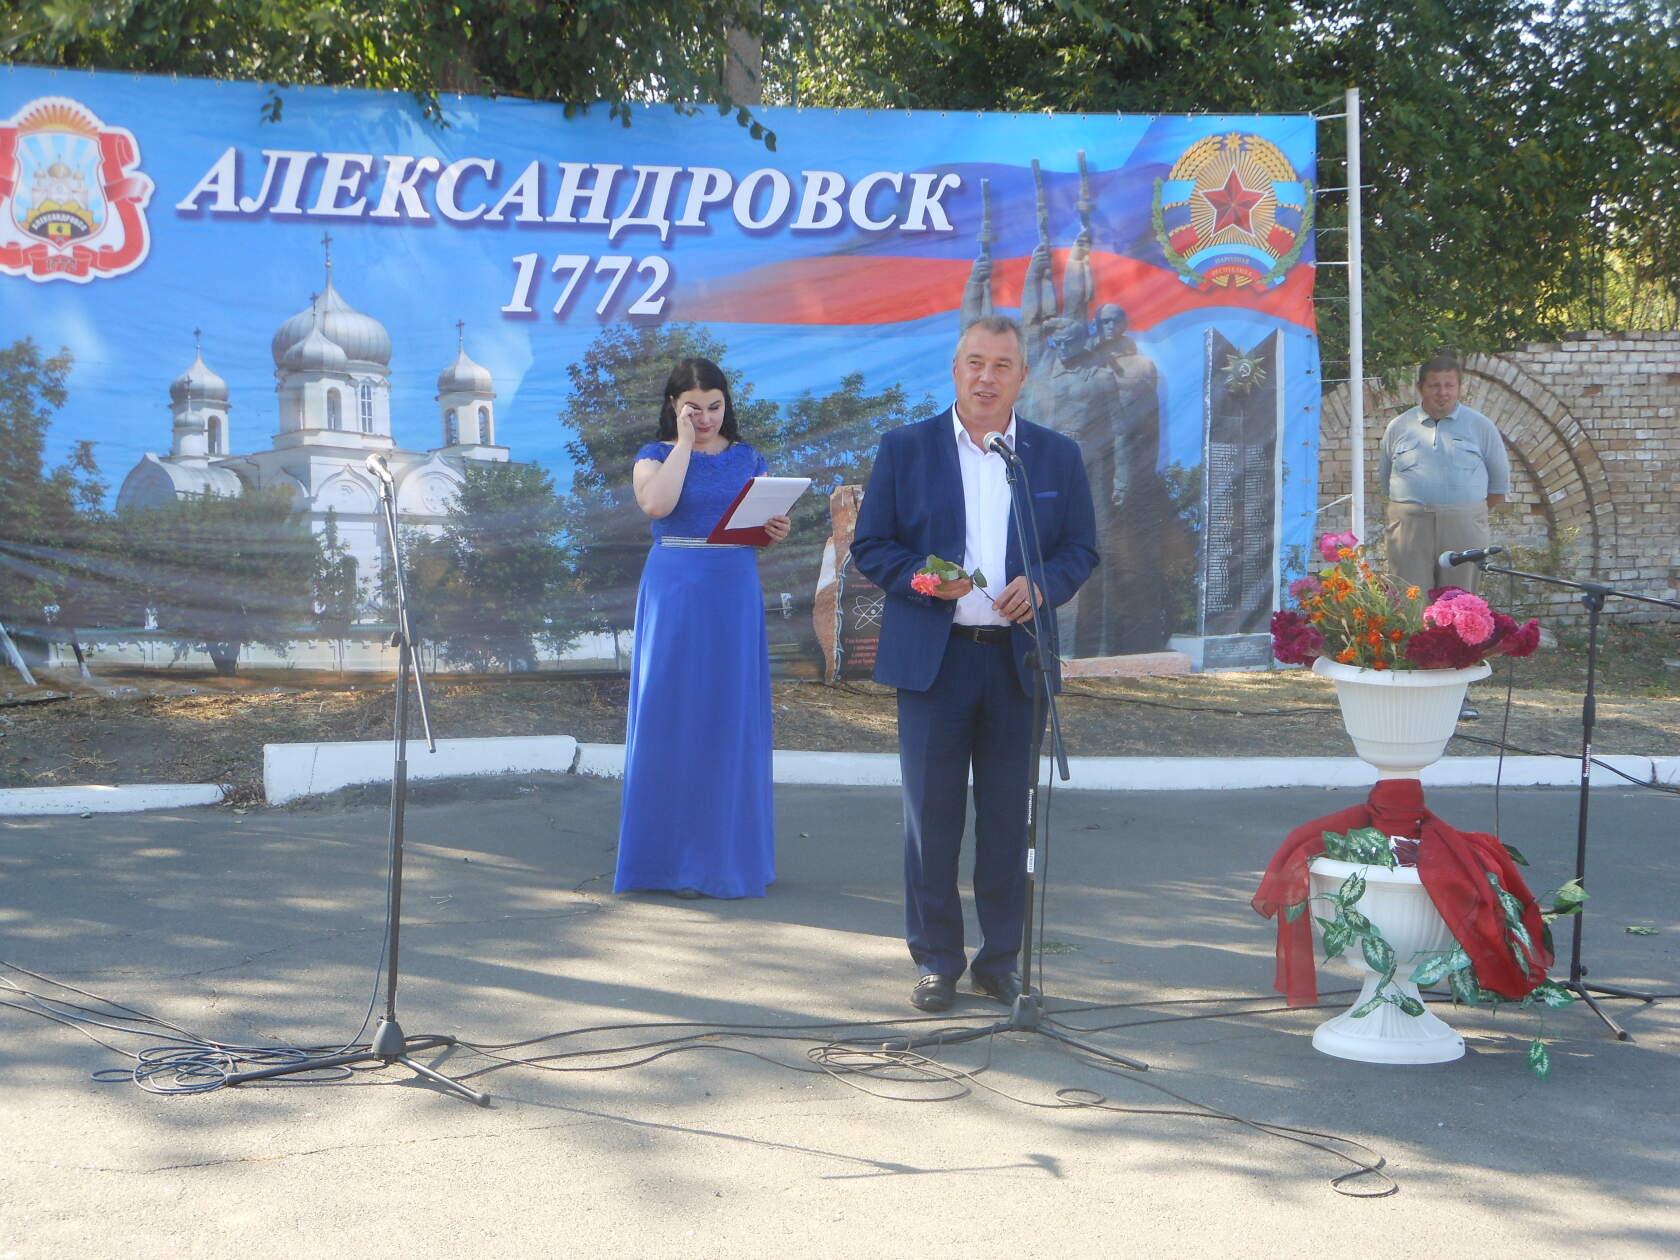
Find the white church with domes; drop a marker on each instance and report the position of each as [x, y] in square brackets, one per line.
[332, 370]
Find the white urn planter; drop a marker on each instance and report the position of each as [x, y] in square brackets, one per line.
[1399, 720]
[1398, 906]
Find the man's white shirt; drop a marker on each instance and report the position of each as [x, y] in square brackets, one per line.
[985, 484]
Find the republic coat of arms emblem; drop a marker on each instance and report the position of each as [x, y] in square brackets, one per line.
[1232, 213]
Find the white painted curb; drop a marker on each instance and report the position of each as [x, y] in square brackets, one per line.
[837, 769]
[291, 771]
[600, 761]
[294, 770]
[1180, 774]
[123, 798]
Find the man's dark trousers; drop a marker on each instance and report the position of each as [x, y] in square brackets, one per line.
[975, 704]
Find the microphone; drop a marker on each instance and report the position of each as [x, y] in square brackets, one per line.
[995, 443]
[1476, 555]
[379, 468]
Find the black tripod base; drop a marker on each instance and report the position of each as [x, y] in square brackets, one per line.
[1585, 991]
[1026, 1015]
[388, 1046]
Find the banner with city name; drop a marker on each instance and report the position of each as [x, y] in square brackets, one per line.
[221, 299]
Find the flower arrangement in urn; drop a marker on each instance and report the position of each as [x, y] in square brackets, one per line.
[1350, 613]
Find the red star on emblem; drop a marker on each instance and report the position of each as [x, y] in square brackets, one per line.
[1233, 205]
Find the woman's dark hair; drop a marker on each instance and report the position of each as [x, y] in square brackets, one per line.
[695, 374]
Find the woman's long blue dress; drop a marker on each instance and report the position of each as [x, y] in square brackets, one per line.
[697, 799]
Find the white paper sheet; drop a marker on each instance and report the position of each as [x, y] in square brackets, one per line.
[766, 497]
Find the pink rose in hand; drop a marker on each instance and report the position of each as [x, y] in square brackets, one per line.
[924, 583]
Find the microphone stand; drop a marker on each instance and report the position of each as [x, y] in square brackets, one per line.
[1593, 595]
[390, 1045]
[1027, 1014]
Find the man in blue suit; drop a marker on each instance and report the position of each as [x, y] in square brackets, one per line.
[958, 655]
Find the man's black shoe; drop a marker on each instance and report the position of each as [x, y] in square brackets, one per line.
[934, 993]
[1005, 988]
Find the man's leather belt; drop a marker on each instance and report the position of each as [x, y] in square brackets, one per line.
[981, 634]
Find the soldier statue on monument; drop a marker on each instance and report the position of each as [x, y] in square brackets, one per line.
[1093, 385]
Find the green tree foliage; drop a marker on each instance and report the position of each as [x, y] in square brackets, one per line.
[49, 521]
[497, 579]
[335, 592]
[1521, 157]
[221, 573]
[574, 53]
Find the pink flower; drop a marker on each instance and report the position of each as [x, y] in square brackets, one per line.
[1301, 588]
[924, 583]
[1331, 544]
[1474, 626]
[1467, 614]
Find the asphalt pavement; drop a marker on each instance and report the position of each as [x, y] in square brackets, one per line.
[694, 1099]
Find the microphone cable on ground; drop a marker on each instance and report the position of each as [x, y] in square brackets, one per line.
[183, 1062]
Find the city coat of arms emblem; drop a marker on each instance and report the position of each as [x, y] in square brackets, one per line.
[72, 201]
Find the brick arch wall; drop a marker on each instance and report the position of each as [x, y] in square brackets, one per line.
[1567, 480]
[1592, 424]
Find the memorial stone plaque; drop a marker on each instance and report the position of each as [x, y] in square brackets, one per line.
[1241, 416]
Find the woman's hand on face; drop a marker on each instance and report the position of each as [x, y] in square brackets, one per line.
[685, 423]
[777, 527]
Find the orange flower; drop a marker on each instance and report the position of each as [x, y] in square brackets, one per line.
[1346, 655]
[1359, 614]
[1374, 639]
[1379, 663]
[1342, 553]
[1412, 592]
[1315, 617]
[1395, 636]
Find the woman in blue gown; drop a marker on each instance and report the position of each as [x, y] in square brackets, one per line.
[696, 818]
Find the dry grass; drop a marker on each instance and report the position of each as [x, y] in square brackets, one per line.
[178, 726]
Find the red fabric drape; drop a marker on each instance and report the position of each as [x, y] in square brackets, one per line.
[1453, 866]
